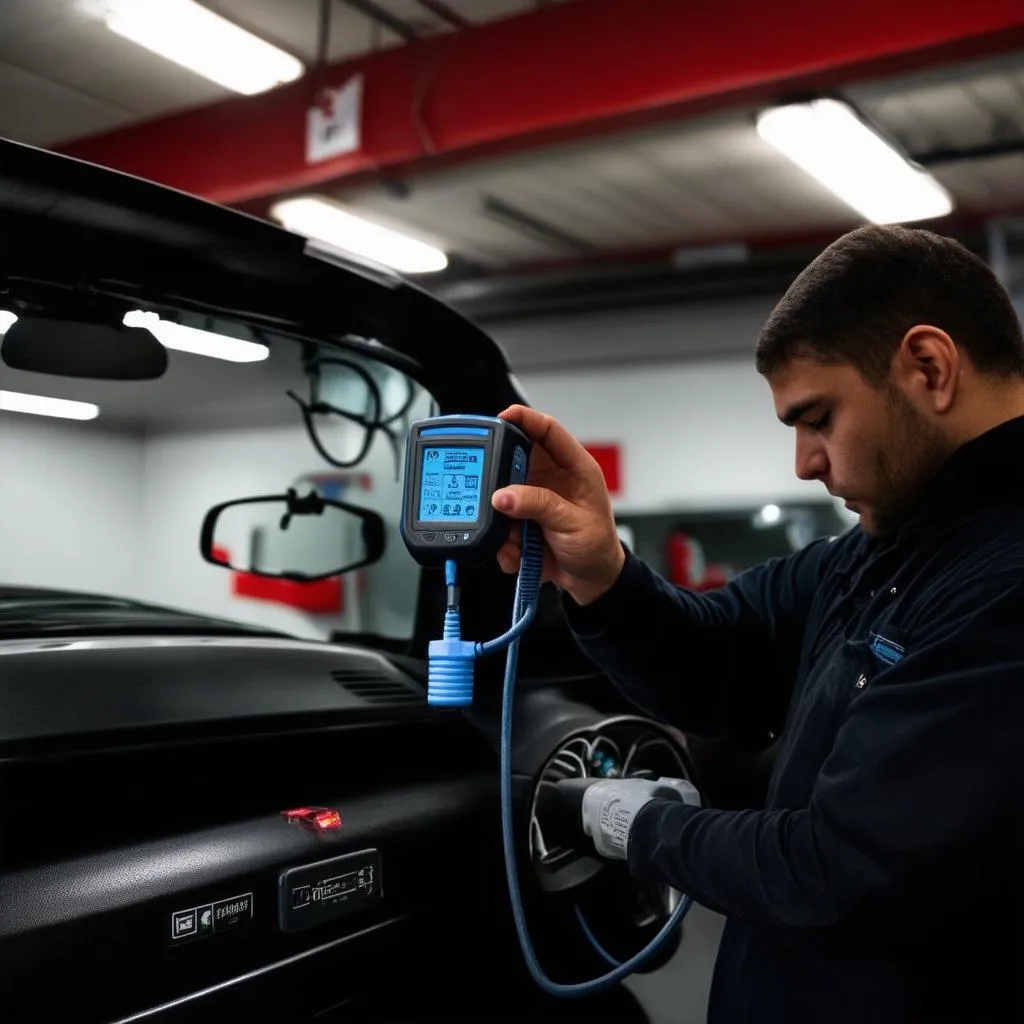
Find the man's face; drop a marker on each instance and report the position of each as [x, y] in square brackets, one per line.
[867, 444]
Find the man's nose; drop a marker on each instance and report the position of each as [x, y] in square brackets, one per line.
[811, 461]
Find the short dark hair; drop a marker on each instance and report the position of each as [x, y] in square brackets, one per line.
[856, 301]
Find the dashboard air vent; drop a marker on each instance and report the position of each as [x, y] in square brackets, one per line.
[377, 686]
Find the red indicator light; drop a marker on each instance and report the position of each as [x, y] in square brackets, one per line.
[327, 819]
[317, 819]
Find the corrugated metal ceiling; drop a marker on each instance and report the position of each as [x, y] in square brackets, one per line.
[707, 181]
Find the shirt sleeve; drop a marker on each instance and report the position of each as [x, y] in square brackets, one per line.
[918, 802]
[720, 663]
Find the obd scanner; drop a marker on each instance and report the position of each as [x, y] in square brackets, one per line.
[453, 466]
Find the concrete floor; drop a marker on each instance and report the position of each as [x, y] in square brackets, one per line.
[678, 993]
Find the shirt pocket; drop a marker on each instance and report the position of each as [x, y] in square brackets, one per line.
[856, 669]
[882, 646]
[845, 671]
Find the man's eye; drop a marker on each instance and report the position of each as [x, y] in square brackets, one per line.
[821, 422]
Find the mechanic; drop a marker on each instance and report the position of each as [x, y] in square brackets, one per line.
[883, 880]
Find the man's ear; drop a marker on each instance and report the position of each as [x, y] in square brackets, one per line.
[927, 367]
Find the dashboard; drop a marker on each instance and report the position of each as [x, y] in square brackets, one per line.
[201, 828]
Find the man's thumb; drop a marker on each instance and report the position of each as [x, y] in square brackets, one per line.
[504, 500]
[521, 501]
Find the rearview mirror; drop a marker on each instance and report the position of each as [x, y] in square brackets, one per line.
[76, 348]
[288, 537]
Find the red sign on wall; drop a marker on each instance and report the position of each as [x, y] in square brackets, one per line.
[608, 457]
[324, 597]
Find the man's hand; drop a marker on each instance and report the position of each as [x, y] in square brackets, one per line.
[611, 806]
[565, 494]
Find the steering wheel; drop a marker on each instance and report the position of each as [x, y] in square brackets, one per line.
[620, 913]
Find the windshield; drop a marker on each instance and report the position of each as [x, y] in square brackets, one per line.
[102, 513]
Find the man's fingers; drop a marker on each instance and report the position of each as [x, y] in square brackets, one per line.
[509, 559]
[510, 556]
[521, 501]
[565, 451]
[510, 553]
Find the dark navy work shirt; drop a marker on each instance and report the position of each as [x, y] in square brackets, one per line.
[883, 881]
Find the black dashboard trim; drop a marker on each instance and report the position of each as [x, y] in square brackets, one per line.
[148, 692]
[258, 972]
[54, 894]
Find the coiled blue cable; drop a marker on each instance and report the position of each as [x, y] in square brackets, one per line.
[450, 684]
[594, 940]
[527, 586]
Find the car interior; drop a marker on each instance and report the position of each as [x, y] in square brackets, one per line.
[223, 794]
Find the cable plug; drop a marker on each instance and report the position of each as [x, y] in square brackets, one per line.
[450, 673]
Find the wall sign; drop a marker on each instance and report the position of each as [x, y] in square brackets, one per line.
[609, 458]
[333, 123]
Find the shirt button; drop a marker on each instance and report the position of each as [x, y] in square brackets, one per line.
[893, 592]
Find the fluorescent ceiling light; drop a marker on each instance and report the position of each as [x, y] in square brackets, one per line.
[828, 141]
[199, 343]
[38, 405]
[194, 37]
[328, 222]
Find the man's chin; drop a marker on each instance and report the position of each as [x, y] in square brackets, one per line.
[876, 522]
[877, 527]
[865, 519]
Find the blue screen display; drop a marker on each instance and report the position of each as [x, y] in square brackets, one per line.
[450, 484]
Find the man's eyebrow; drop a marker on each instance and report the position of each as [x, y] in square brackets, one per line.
[798, 409]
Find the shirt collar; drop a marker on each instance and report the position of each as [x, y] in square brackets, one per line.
[987, 469]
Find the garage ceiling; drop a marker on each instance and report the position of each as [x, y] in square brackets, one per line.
[678, 185]
[675, 185]
[710, 181]
[64, 75]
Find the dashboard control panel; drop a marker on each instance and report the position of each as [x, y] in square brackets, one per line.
[313, 894]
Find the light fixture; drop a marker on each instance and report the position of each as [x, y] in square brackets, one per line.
[7, 320]
[191, 339]
[326, 221]
[770, 515]
[39, 405]
[827, 139]
[195, 37]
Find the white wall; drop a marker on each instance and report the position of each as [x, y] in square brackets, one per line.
[693, 434]
[70, 506]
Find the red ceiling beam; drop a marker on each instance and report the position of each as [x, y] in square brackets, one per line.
[560, 72]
